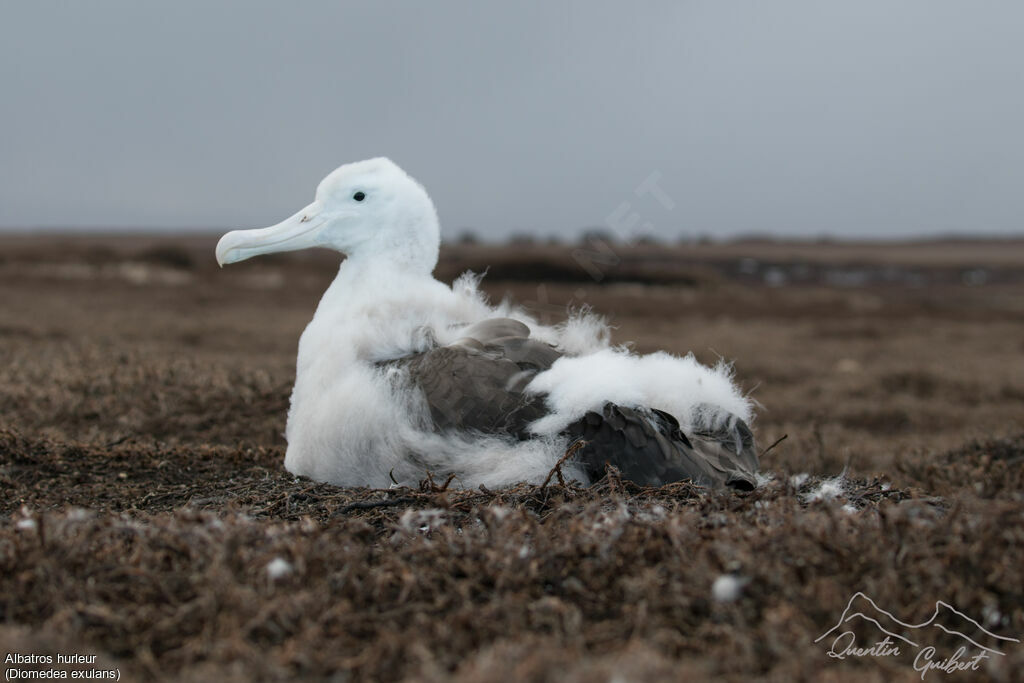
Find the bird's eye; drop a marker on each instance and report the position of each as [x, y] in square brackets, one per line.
[359, 196]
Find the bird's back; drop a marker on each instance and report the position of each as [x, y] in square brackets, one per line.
[478, 383]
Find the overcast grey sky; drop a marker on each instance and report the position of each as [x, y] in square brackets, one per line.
[856, 118]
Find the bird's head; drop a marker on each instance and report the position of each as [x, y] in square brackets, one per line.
[367, 209]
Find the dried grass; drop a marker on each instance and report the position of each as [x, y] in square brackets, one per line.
[144, 498]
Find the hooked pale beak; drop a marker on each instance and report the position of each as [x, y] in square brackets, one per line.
[300, 231]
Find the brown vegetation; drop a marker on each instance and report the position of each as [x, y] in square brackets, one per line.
[143, 395]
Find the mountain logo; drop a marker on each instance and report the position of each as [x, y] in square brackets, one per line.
[900, 636]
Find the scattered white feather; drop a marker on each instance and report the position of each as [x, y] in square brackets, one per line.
[499, 513]
[797, 480]
[27, 524]
[992, 616]
[421, 521]
[278, 568]
[728, 587]
[829, 489]
[79, 514]
[653, 513]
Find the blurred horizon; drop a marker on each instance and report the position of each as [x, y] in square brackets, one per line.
[670, 123]
[589, 235]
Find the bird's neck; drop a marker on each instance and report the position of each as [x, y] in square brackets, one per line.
[404, 257]
[409, 244]
[364, 280]
[373, 310]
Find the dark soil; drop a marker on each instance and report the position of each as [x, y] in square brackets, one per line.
[146, 517]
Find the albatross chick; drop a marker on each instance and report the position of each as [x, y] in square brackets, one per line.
[399, 374]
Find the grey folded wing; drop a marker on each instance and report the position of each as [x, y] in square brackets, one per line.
[477, 382]
[648, 447]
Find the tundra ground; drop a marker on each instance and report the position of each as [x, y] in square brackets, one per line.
[146, 517]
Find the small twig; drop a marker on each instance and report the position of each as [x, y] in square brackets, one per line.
[614, 476]
[557, 469]
[777, 442]
[428, 485]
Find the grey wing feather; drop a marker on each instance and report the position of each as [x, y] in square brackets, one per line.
[648, 448]
[477, 382]
[487, 331]
[720, 430]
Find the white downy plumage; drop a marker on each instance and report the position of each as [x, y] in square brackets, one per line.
[354, 421]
